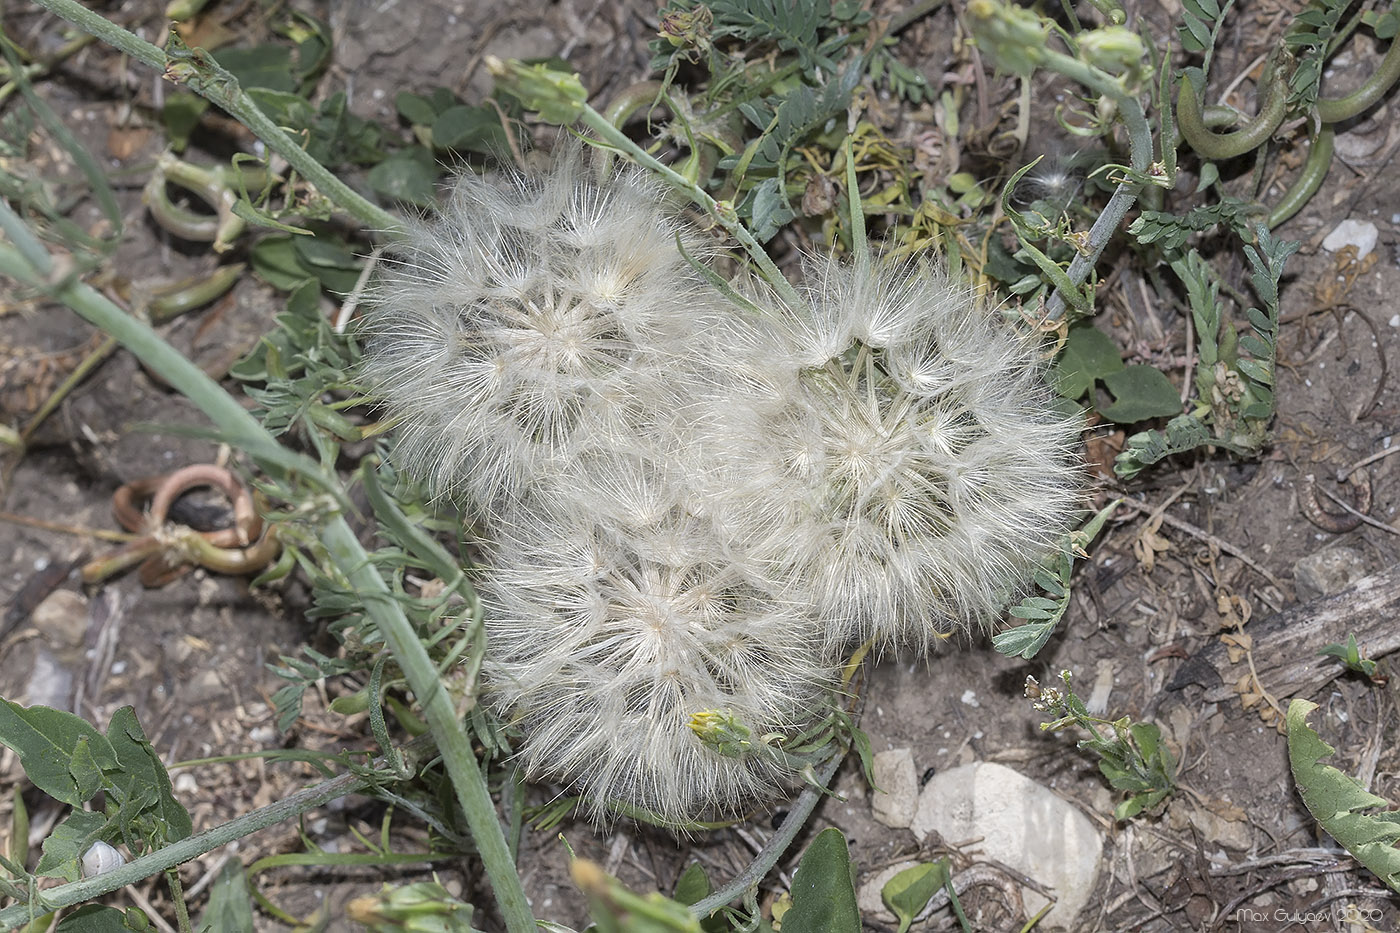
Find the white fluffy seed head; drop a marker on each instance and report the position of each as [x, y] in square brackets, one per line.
[908, 473]
[615, 621]
[524, 317]
[689, 509]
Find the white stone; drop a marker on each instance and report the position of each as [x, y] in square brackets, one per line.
[1020, 823]
[868, 899]
[1359, 233]
[898, 788]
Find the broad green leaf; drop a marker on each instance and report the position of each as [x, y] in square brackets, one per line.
[268, 66]
[909, 892]
[693, 886]
[46, 741]
[1141, 392]
[180, 116]
[328, 258]
[1088, 355]
[64, 849]
[406, 176]
[415, 108]
[284, 107]
[1335, 800]
[469, 129]
[141, 768]
[275, 261]
[230, 905]
[86, 771]
[823, 892]
[95, 918]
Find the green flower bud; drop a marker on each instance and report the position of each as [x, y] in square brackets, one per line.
[422, 907]
[1014, 37]
[1114, 49]
[557, 96]
[722, 732]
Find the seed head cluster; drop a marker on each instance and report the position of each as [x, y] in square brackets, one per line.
[690, 504]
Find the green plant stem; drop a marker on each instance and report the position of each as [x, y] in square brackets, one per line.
[153, 863]
[243, 430]
[775, 847]
[443, 721]
[1336, 109]
[1140, 156]
[724, 214]
[208, 79]
[177, 895]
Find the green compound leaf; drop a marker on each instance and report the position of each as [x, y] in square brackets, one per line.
[1335, 799]
[58, 751]
[909, 892]
[1042, 614]
[823, 891]
[1140, 392]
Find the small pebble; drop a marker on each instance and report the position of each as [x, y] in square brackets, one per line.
[1359, 233]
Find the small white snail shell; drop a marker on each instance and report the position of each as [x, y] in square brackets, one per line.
[100, 859]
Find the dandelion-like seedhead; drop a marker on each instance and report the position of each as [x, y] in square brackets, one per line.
[691, 510]
[904, 470]
[533, 312]
[611, 626]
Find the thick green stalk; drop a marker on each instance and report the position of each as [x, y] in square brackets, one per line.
[1337, 109]
[1253, 134]
[238, 426]
[196, 69]
[1309, 179]
[1125, 196]
[443, 721]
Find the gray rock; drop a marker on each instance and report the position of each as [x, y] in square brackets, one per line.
[1023, 825]
[898, 795]
[1328, 571]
